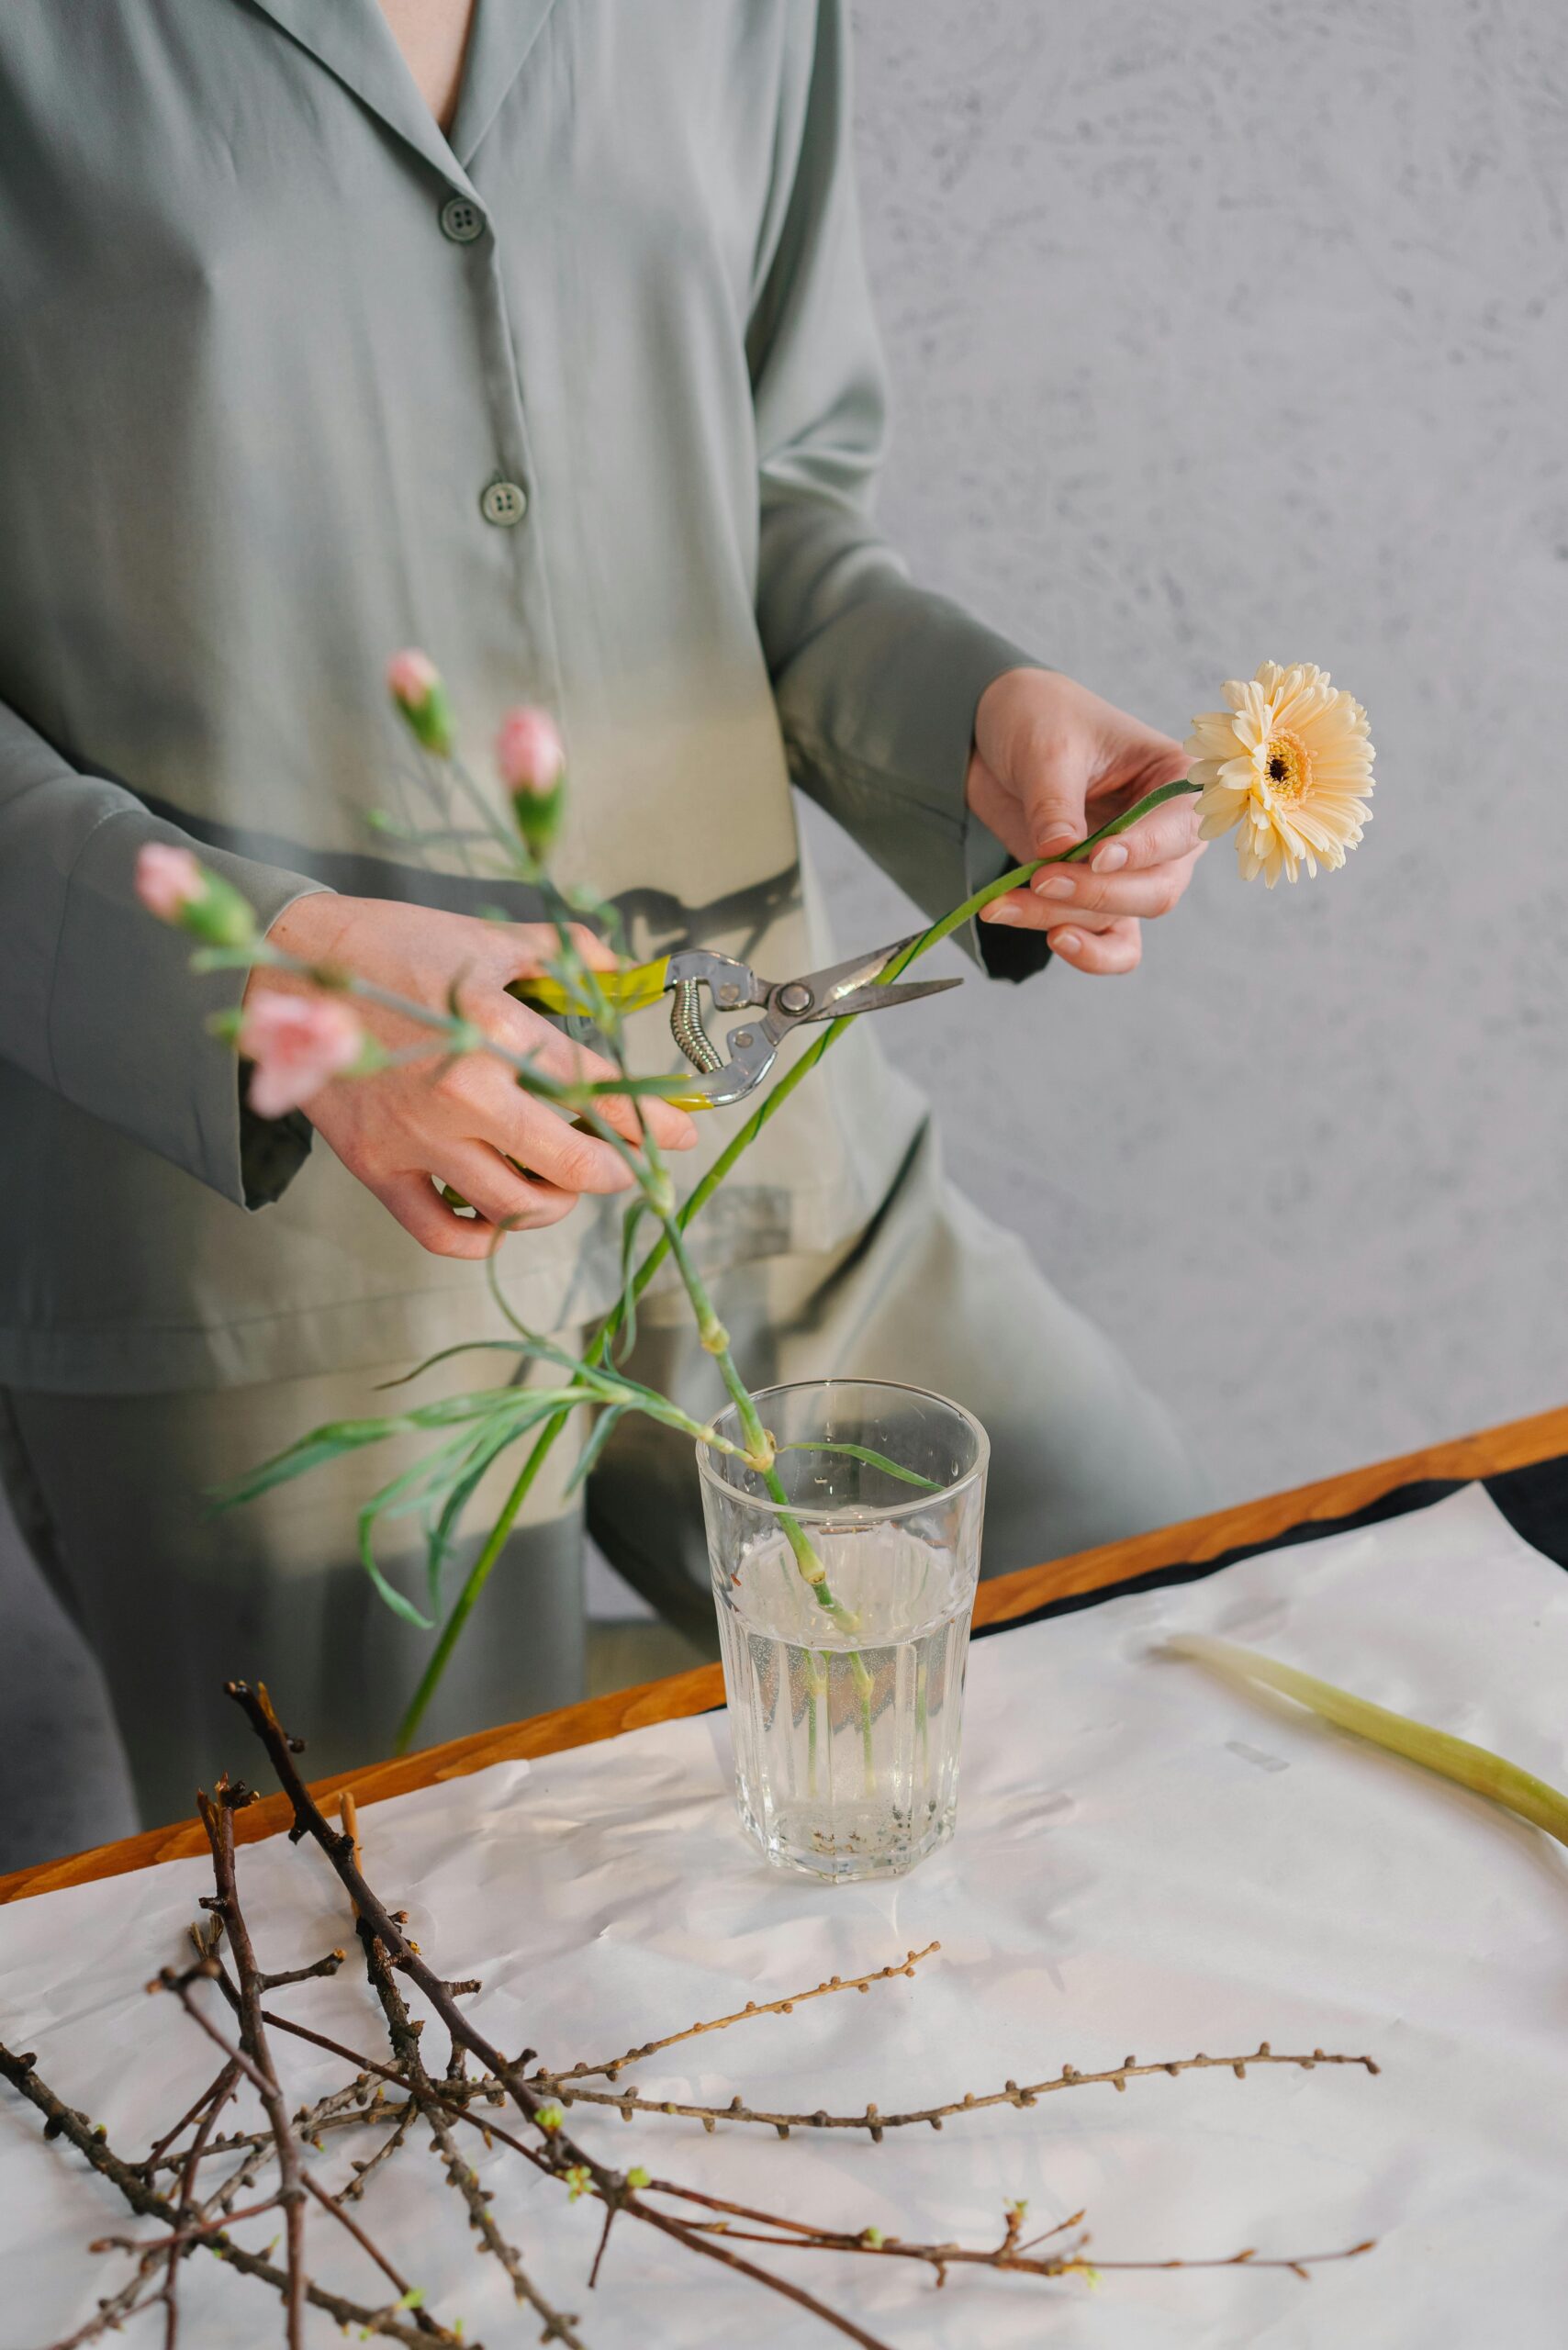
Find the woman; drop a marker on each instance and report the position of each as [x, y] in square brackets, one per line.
[537, 336]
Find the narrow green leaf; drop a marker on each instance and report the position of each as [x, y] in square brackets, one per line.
[439, 1542]
[394, 1598]
[482, 1403]
[464, 1346]
[872, 1460]
[417, 1488]
[322, 1444]
[603, 1428]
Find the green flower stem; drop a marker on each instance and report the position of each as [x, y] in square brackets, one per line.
[478, 1575]
[703, 1191]
[716, 1342]
[779, 1093]
[607, 1385]
[1475, 1767]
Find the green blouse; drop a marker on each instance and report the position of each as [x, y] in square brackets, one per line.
[586, 401]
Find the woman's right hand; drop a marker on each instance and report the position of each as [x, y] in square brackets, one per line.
[459, 1122]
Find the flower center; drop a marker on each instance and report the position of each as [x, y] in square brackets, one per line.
[1287, 766]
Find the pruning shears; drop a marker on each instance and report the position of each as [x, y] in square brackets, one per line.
[777, 1006]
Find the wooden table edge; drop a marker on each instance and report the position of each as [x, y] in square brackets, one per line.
[1512, 1444]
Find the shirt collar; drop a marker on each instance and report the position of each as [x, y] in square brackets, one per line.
[352, 39]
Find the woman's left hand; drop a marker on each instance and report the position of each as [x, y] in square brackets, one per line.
[1051, 763]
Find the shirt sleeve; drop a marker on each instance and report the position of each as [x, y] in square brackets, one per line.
[877, 680]
[97, 998]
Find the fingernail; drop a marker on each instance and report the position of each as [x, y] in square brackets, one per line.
[1065, 942]
[1056, 838]
[1001, 913]
[1109, 859]
[1057, 884]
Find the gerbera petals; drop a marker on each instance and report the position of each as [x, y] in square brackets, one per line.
[1287, 765]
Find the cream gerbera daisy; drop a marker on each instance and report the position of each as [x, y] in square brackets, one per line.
[1287, 767]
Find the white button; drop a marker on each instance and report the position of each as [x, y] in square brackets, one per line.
[504, 503]
[460, 220]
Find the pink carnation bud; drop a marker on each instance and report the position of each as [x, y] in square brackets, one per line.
[298, 1042]
[168, 879]
[529, 752]
[415, 685]
[410, 679]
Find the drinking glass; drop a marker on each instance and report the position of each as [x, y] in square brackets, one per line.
[846, 1699]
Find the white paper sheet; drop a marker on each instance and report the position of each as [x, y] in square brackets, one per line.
[1147, 1860]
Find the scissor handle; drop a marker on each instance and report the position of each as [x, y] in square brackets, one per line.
[641, 984]
[632, 990]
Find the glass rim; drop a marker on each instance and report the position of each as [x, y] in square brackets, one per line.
[711, 1464]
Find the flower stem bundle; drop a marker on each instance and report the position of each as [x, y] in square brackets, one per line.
[1284, 766]
[1475, 1767]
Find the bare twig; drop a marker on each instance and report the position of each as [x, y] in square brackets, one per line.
[62, 2120]
[210, 1968]
[160, 2147]
[223, 2089]
[712, 2226]
[563, 2156]
[353, 2192]
[352, 2107]
[628, 2102]
[404, 2034]
[1010, 2252]
[747, 2014]
[255, 2057]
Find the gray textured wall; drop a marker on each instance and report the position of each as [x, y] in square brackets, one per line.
[1222, 331]
[1225, 331]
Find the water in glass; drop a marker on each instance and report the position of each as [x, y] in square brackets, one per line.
[847, 1743]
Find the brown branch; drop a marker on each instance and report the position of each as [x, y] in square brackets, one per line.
[603, 2246]
[1009, 2254]
[684, 2232]
[160, 2147]
[209, 1969]
[183, 1986]
[353, 2192]
[223, 2090]
[327, 1965]
[787, 2235]
[218, 1818]
[563, 2156]
[61, 2120]
[372, 1913]
[348, 2108]
[156, 2246]
[628, 2102]
[404, 2033]
[752, 2009]
[708, 2225]
[112, 2312]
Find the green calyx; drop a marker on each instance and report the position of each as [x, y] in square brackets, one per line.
[429, 720]
[219, 916]
[538, 816]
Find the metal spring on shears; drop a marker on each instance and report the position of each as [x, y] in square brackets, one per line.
[685, 1027]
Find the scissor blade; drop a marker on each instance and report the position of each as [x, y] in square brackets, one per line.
[872, 998]
[828, 987]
